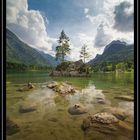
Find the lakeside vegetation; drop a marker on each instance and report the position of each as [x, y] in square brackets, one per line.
[113, 67]
[23, 67]
[102, 67]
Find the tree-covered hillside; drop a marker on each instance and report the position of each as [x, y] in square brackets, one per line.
[21, 53]
[115, 52]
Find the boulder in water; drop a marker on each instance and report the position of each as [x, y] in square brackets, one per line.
[99, 118]
[30, 85]
[27, 87]
[52, 84]
[62, 88]
[66, 88]
[77, 110]
[106, 126]
[25, 108]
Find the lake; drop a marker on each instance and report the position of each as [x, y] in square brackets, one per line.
[51, 120]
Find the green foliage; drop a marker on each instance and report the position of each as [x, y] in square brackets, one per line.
[85, 68]
[115, 53]
[66, 66]
[83, 53]
[63, 48]
[117, 56]
[110, 67]
[63, 66]
[16, 66]
[22, 67]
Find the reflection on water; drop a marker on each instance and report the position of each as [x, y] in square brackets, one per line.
[86, 96]
[43, 99]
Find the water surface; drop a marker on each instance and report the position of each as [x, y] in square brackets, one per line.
[51, 120]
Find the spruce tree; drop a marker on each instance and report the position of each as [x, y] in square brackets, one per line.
[83, 53]
[63, 48]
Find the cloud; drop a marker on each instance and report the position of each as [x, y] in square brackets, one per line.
[84, 38]
[86, 10]
[101, 38]
[124, 17]
[96, 28]
[89, 41]
[29, 25]
[110, 26]
[97, 20]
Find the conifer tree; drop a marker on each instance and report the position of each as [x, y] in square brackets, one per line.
[83, 53]
[63, 48]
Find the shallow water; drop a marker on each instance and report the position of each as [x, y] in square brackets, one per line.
[51, 120]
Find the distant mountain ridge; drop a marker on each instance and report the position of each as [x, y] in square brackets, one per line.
[50, 59]
[19, 52]
[116, 51]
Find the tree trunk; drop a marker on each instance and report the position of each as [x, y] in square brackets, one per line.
[84, 60]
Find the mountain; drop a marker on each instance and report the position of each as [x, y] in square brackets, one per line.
[19, 52]
[116, 51]
[49, 59]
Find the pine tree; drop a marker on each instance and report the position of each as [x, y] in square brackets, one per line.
[63, 48]
[83, 53]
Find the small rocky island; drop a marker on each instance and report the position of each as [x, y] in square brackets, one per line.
[74, 69]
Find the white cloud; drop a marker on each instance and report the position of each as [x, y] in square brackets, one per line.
[84, 39]
[29, 25]
[86, 10]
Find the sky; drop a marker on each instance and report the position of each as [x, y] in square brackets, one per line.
[92, 22]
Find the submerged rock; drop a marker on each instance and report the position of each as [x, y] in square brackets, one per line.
[99, 118]
[103, 117]
[27, 87]
[106, 124]
[99, 100]
[11, 127]
[63, 88]
[114, 129]
[120, 113]
[52, 84]
[25, 108]
[30, 86]
[77, 110]
[125, 98]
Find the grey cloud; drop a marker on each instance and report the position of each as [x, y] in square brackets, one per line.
[124, 17]
[101, 38]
